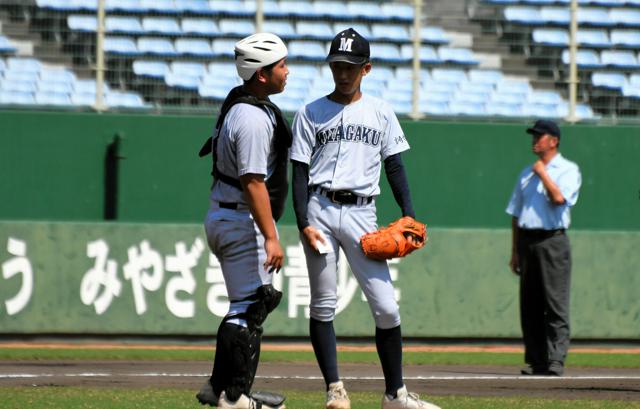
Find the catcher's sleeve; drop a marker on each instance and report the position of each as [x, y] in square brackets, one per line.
[394, 169]
[300, 193]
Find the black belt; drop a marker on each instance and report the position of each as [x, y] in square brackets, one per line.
[343, 196]
[225, 205]
[540, 234]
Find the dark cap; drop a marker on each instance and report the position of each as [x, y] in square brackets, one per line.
[545, 126]
[349, 46]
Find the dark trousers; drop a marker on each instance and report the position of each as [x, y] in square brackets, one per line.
[545, 280]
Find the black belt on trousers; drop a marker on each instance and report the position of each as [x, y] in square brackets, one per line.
[225, 205]
[540, 234]
[343, 196]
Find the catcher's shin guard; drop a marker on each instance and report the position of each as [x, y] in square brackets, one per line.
[236, 361]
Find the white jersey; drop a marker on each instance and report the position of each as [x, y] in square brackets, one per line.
[243, 147]
[344, 145]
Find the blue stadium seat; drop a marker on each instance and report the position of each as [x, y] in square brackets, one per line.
[382, 73]
[335, 10]
[583, 111]
[432, 35]
[284, 29]
[634, 79]
[129, 25]
[485, 76]
[457, 56]
[386, 52]
[88, 87]
[433, 86]
[317, 30]
[16, 98]
[9, 84]
[307, 50]
[153, 69]
[405, 74]
[625, 17]
[519, 88]
[213, 91]
[626, 38]
[555, 15]
[222, 69]
[224, 47]
[120, 46]
[86, 24]
[160, 6]
[505, 109]
[610, 80]
[394, 95]
[471, 96]
[124, 100]
[398, 11]
[3, 66]
[83, 99]
[288, 103]
[193, 47]
[523, 15]
[305, 71]
[476, 87]
[230, 7]
[597, 17]
[390, 32]
[366, 10]
[297, 8]
[200, 7]
[434, 107]
[449, 75]
[24, 64]
[52, 98]
[236, 27]
[156, 46]
[428, 54]
[182, 81]
[619, 59]
[188, 69]
[125, 6]
[55, 87]
[161, 25]
[467, 108]
[362, 28]
[631, 91]
[58, 5]
[541, 110]
[544, 97]
[371, 88]
[62, 75]
[584, 58]
[593, 38]
[200, 26]
[436, 96]
[550, 37]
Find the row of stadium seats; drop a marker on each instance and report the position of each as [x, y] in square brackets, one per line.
[628, 86]
[27, 81]
[589, 59]
[588, 38]
[227, 27]
[593, 17]
[6, 46]
[336, 10]
[298, 49]
[605, 3]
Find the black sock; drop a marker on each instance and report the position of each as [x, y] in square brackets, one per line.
[389, 345]
[323, 339]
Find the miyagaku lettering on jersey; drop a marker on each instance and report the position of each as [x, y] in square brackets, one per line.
[346, 144]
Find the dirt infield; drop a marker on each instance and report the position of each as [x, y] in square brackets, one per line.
[459, 380]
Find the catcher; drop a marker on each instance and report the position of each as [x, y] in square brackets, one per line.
[340, 143]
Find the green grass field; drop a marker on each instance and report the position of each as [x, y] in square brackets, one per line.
[54, 397]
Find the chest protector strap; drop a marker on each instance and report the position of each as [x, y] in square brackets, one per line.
[278, 183]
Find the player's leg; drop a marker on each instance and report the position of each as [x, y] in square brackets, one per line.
[240, 249]
[323, 287]
[555, 268]
[375, 281]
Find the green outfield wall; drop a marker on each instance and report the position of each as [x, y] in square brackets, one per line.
[52, 167]
[122, 278]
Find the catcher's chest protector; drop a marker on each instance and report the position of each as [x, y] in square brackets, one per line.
[278, 183]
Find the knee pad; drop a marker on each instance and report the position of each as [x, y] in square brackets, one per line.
[267, 299]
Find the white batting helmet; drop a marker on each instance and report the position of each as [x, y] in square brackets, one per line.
[256, 51]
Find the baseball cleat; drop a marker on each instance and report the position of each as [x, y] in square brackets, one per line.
[244, 402]
[406, 400]
[206, 396]
[337, 397]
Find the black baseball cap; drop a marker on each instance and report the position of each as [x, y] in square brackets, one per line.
[545, 126]
[349, 46]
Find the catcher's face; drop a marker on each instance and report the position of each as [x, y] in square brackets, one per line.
[347, 77]
[276, 77]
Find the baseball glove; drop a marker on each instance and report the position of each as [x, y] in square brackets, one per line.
[393, 241]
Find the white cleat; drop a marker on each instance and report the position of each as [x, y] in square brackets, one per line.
[406, 400]
[337, 397]
[243, 402]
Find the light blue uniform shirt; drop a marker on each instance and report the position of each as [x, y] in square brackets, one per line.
[530, 202]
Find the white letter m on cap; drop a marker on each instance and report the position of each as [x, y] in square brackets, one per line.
[345, 44]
